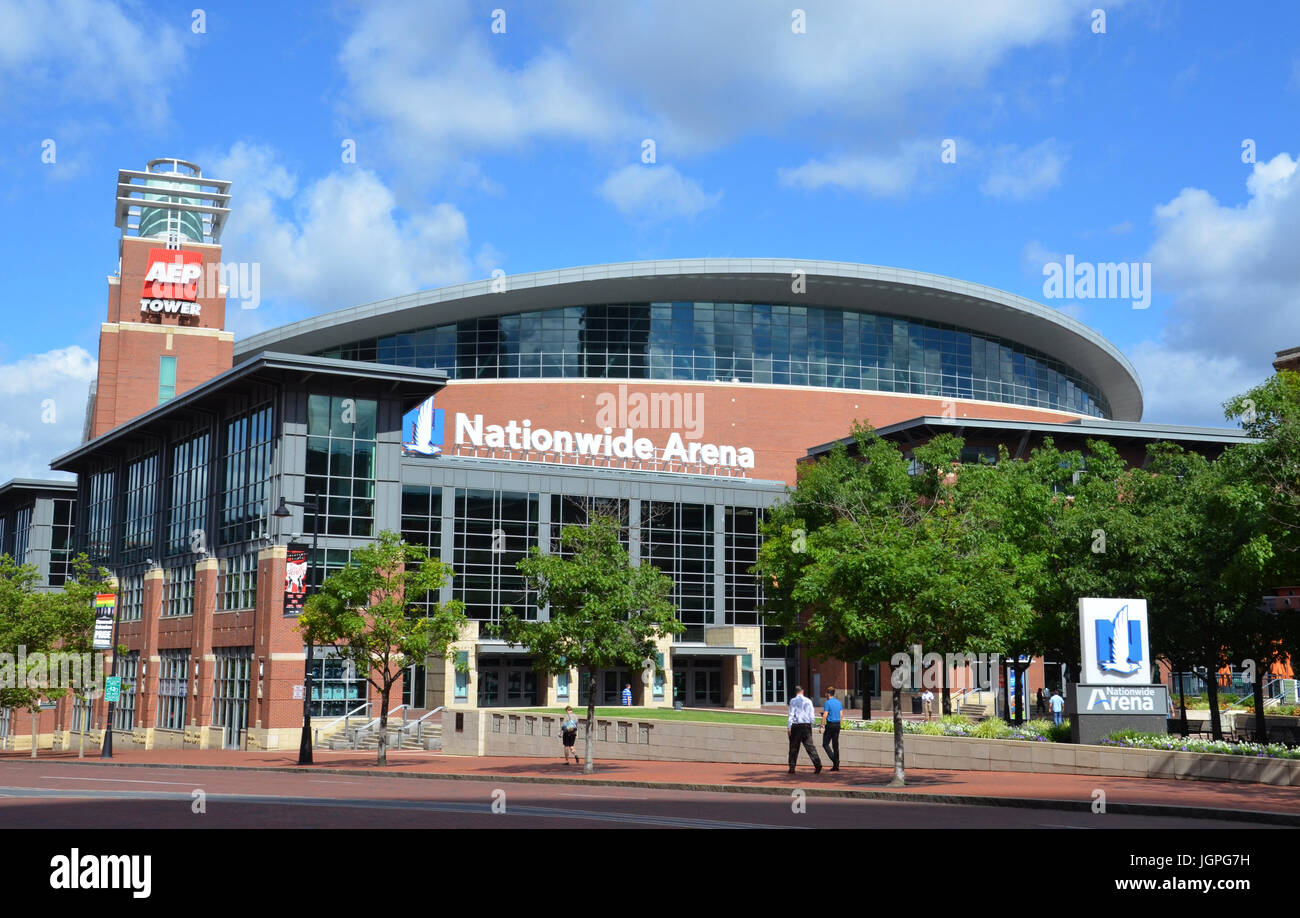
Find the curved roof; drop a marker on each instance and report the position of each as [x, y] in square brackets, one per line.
[842, 285]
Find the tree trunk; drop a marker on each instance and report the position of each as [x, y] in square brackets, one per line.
[947, 693]
[1261, 727]
[36, 714]
[383, 726]
[589, 767]
[1182, 702]
[899, 778]
[1212, 690]
[866, 691]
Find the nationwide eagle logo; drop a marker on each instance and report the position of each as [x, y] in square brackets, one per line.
[424, 431]
[1119, 643]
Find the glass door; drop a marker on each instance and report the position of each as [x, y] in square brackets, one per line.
[231, 682]
[774, 685]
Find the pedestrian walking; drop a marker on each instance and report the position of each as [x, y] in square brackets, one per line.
[832, 713]
[1058, 706]
[627, 695]
[799, 729]
[1041, 706]
[927, 703]
[569, 734]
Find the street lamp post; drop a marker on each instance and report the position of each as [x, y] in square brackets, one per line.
[282, 511]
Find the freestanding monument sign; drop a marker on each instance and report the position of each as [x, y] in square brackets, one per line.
[1116, 692]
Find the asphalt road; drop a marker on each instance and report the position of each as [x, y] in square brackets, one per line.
[86, 797]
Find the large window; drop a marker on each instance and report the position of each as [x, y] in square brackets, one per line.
[166, 379]
[178, 592]
[99, 515]
[173, 680]
[189, 493]
[336, 687]
[246, 474]
[232, 676]
[22, 534]
[61, 541]
[132, 598]
[128, 668]
[741, 588]
[494, 530]
[341, 464]
[746, 342]
[141, 509]
[678, 539]
[239, 582]
[422, 524]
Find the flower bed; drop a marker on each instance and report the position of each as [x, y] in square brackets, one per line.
[1034, 731]
[1134, 740]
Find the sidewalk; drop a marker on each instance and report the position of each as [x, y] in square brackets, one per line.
[1152, 796]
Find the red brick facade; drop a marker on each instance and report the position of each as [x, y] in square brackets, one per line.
[780, 423]
[131, 342]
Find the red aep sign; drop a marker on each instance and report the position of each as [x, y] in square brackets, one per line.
[173, 275]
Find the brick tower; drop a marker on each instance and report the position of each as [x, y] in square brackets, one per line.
[167, 304]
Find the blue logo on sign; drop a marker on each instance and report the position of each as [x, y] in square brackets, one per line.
[422, 429]
[1119, 643]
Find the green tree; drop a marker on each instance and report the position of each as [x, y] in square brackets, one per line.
[863, 556]
[42, 623]
[604, 612]
[73, 610]
[24, 625]
[380, 611]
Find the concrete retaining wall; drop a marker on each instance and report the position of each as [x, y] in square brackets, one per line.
[511, 733]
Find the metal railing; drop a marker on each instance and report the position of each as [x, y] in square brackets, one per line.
[418, 725]
[365, 729]
[346, 718]
[961, 699]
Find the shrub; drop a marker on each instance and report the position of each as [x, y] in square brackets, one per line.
[991, 729]
[1134, 739]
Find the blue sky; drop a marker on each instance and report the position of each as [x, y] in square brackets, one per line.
[522, 150]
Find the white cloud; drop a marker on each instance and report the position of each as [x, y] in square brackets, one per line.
[46, 399]
[86, 50]
[440, 86]
[655, 193]
[339, 241]
[871, 174]
[1018, 175]
[1190, 387]
[1233, 280]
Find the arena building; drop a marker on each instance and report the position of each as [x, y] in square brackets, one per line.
[478, 419]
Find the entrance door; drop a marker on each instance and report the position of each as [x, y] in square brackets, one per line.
[230, 689]
[509, 683]
[774, 685]
[707, 690]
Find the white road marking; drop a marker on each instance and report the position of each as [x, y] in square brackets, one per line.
[116, 780]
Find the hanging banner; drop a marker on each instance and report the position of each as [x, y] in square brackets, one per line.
[105, 610]
[295, 578]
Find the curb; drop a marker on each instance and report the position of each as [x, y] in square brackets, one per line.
[1130, 809]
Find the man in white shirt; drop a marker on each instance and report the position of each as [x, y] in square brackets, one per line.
[799, 729]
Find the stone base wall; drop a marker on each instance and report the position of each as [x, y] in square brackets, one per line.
[505, 733]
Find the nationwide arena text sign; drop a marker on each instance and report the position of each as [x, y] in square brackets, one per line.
[425, 428]
[171, 284]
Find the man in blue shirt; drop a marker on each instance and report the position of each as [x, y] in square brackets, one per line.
[627, 695]
[1058, 705]
[832, 711]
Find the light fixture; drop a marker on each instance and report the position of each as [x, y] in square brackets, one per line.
[282, 511]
